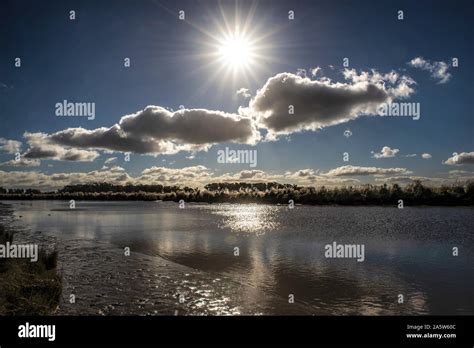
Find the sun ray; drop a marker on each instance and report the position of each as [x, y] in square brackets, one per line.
[233, 49]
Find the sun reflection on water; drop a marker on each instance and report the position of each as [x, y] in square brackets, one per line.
[248, 218]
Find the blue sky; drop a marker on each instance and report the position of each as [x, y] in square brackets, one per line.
[173, 64]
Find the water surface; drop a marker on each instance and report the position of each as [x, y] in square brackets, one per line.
[191, 253]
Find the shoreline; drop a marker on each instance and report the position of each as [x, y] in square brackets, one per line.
[296, 204]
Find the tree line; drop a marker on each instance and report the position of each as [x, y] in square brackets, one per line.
[269, 193]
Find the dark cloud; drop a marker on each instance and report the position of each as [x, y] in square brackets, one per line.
[156, 130]
[112, 138]
[316, 103]
[41, 147]
[191, 126]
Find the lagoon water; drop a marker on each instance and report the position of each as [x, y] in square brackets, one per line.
[183, 261]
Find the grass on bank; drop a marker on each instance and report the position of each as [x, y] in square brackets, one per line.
[28, 288]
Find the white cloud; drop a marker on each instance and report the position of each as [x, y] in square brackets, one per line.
[426, 156]
[396, 85]
[10, 146]
[461, 175]
[315, 71]
[301, 72]
[200, 175]
[459, 172]
[33, 179]
[248, 174]
[460, 159]
[438, 70]
[307, 177]
[386, 152]
[22, 162]
[356, 171]
[244, 93]
[110, 160]
[116, 169]
[186, 175]
[191, 176]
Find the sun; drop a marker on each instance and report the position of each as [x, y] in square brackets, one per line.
[232, 47]
[236, 52]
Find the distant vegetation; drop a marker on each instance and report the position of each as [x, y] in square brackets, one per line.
[28, 288]
[270, 193]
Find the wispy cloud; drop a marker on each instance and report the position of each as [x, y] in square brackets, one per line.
[22, 162]
[438, 70]
[357, 170]
[110, 160]
[244, 93]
